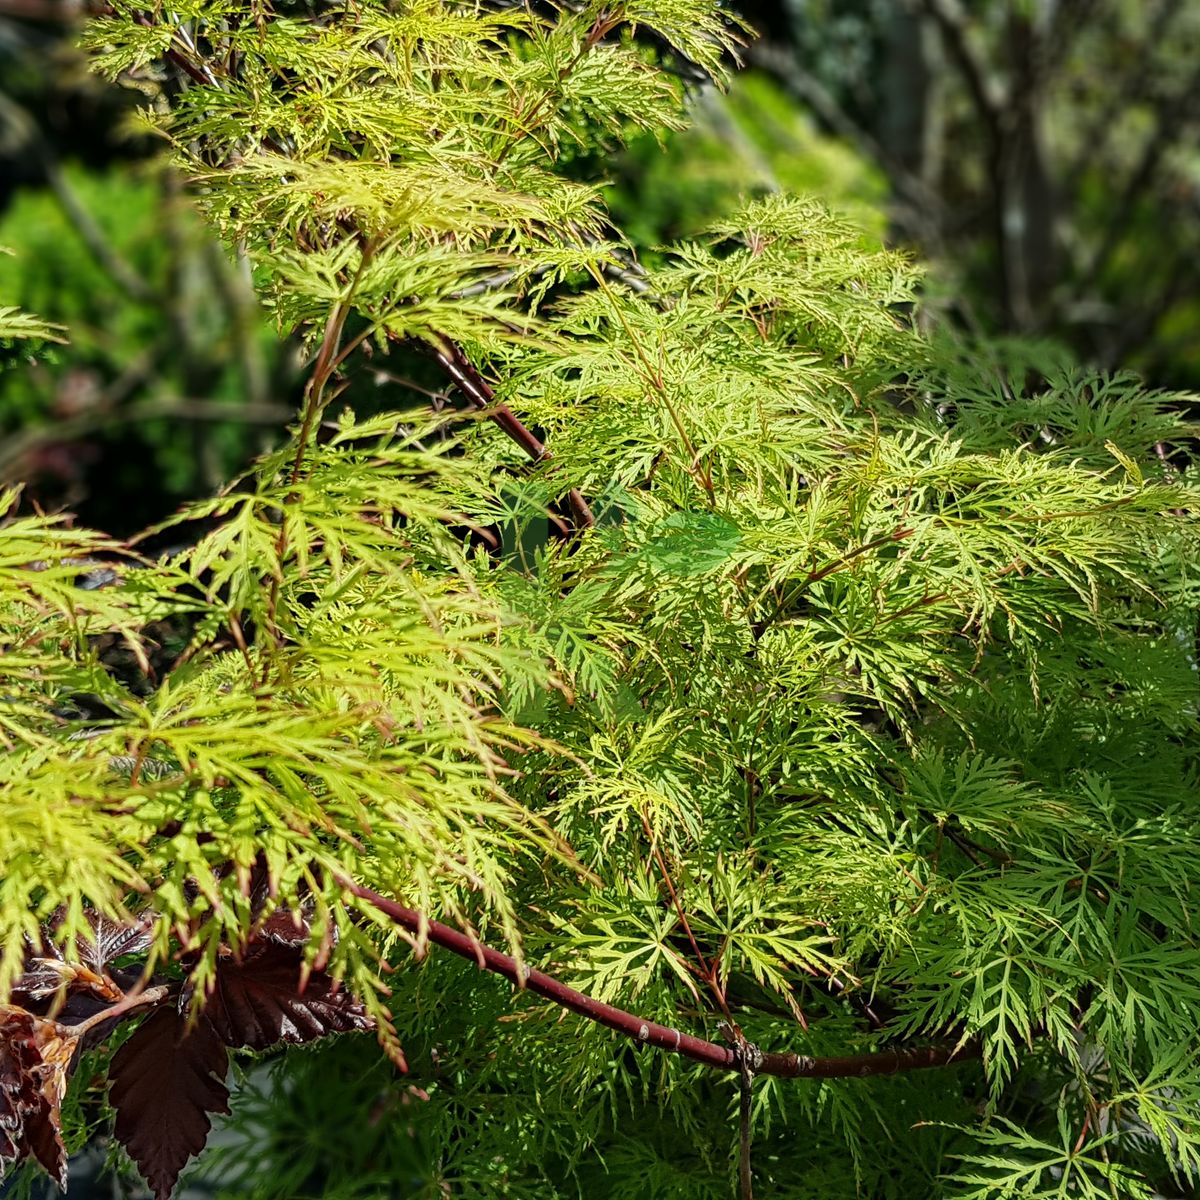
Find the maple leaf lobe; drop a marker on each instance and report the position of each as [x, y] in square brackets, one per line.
[257, 1003]
[164, 1082]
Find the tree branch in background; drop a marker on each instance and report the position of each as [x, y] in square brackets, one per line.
[1066, 21]
[51, 12]
[25, 129]
[1170, 115]
[986, 91]
[1134, 331]
[1099, 132]
[18, 446]
[923, 208]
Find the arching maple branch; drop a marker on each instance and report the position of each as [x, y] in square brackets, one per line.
[650, 1033]
[479, 392]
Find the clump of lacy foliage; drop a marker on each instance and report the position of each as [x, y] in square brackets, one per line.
[798, 710]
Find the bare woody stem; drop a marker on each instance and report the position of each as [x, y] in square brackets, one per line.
[650, 1033]
[479, 392]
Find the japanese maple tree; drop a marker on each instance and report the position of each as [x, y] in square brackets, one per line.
[805, 703]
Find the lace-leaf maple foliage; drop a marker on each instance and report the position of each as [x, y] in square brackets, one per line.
[811, 699]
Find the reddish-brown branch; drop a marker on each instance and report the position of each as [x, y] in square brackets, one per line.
[650, 1033]
[202, 76]
[897, 534]
[449, 356]
[479, 392]
[708, 971]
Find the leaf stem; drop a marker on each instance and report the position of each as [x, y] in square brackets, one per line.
[134, 1000]
[325, 365]
[654, 377]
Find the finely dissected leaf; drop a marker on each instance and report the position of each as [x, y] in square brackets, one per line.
[862, 685]
[17, 324]
[258, 1002]
[165, 1081]
[688, 544]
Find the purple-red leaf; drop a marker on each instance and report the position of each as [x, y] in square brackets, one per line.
[285, 926]
[111, 940]
[258, 1002]
[164, 1082]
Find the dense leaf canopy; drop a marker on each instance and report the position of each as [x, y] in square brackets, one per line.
[717, 642]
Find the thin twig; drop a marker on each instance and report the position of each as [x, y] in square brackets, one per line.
[314, 405]
[985, 90]
[971, 848]
[198, 71]
[20, 445]
[654, 378]
[749, 1059]
[1101, 130]
[603, 24]
[1170, 117]
[193, 64]
[472, 384]
[649, 1033]
[708, 971]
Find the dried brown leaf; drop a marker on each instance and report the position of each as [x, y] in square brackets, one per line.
[35, 1056]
